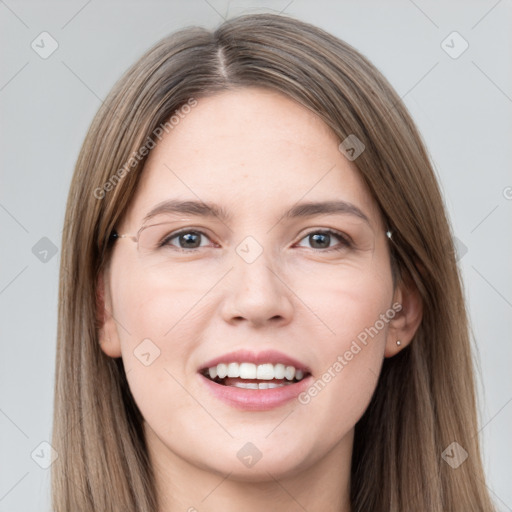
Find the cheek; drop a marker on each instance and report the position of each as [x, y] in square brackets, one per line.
[160, 335]
[158, 330]
[356, 311]
[351, 309]
[347, 299]
[152, 306]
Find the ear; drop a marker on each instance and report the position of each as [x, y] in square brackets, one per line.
[107, 331]
[407, 320]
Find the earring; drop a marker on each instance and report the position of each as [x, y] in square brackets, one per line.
[398, 342]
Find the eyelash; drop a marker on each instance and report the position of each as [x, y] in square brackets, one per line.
[346, 243]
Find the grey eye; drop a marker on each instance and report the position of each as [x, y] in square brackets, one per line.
[322, 239]
[186, 239]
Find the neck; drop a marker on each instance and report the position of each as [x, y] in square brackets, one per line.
[321, 484]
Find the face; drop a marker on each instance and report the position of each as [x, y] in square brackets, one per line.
[266, 281]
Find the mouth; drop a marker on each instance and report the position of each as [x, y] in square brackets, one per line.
[248, 375]
[251, 381]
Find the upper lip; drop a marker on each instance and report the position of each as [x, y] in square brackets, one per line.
[265, 356]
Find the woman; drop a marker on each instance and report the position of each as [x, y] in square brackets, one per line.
[260, 307]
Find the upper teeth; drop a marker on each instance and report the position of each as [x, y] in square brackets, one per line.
[266, 371]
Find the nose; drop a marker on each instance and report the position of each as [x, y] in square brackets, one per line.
[257, 293]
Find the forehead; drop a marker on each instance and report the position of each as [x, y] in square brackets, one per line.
[250, 150]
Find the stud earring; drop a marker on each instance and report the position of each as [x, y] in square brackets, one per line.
[398, 342]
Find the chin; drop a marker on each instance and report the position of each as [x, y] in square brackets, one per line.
[258, 461]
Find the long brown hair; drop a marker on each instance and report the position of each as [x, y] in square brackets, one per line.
[425, 398]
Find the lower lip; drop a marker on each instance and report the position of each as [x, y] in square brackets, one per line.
[256, 399]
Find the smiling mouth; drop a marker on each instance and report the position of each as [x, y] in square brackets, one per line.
[252, 376]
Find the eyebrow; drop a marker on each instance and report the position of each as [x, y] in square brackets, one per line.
[206, 209]
[197, 208]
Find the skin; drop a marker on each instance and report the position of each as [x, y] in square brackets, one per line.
[256, 153]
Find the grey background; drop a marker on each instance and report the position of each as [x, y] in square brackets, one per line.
[462, 107]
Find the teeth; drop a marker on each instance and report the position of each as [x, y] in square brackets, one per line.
[265, 371]
[289, 372]
[246, 385]
[260, 385]
[233, 370]
[279, 371]
[247, 371]
[222, 370]
[272, 385]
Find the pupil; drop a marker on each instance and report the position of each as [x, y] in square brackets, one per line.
[319, 238]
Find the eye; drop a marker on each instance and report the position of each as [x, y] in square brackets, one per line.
[321, 239]
[187, 239]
